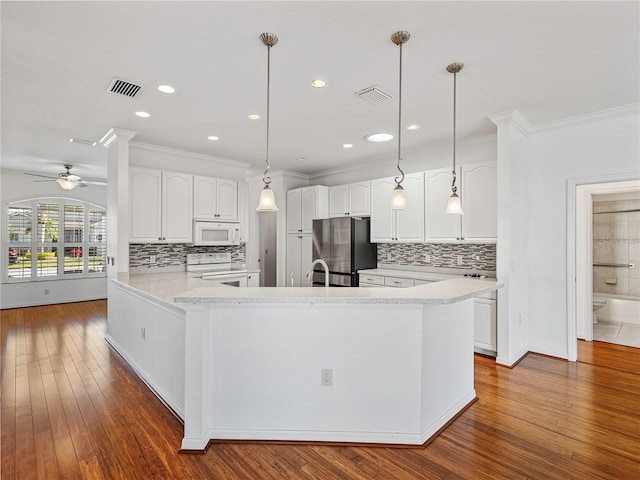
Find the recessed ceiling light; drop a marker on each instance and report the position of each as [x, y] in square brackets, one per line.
[254, 116]
[213, 138]
[302, 159]
[347, 145]
[378, 137]
[414, 126]
[318, 83]
[166, 89]
[143, 114]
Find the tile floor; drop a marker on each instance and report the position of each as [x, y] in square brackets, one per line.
[615, 332]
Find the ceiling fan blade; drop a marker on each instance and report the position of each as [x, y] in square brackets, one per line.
[37, 175]
[95, 182]
[82, 184]
[38, 181]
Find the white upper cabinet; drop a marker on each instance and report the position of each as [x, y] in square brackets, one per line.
[350, 200]
[161, 206]
[480, 203]
[388, 225]
[215, 199]
[477, 187]
[304, 205]
[177, 207]
[438, 226]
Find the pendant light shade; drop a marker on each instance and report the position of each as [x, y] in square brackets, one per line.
[454, 207]
[399, 197]
[66, 183]
[267, 201]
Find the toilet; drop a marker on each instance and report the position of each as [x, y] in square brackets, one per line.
[598, 303]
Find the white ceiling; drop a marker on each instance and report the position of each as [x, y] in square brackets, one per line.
[550, 60]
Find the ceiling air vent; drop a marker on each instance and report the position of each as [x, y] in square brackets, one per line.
[123, 87]
[373, 95]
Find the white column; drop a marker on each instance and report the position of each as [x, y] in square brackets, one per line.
[513, 225]
[116, 141]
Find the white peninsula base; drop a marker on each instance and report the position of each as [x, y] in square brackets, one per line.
[400, 371]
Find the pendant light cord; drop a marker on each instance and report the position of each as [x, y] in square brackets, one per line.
[398, 182]
[454, 189]
[265, 176]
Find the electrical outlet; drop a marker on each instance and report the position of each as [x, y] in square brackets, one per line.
[46, 291]
[427, 258]
[152, 259]
[326, 377]
[459, 259]
[143, 333]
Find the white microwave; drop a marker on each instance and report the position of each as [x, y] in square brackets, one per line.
[215, 233]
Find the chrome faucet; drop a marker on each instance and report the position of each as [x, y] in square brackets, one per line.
[326, 271]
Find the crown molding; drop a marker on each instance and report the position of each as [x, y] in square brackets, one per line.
[512, 117]
[184, 153]
[621, 111]
[116, 133]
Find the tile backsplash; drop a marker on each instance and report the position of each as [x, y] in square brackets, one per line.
[472, 256]
[173, 256]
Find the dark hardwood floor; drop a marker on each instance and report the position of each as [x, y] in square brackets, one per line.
[72, 409]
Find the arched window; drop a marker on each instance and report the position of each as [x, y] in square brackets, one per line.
[53, 239]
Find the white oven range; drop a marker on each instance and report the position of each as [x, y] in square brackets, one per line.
[216, 267]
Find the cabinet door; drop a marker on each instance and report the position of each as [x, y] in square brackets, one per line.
[479, 202]
[410, 221]
[306, 257]
[243, 212]
[253, 280]
[145, 198]
[204, 197]
[227, 200]
[359, 197]
[382, 217]
[438, 226]
[294, 260]
[484, 324]
[294, 214]
[339, 201]
[177, 207]
[308, 208]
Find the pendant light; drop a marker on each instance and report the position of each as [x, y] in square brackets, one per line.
[399, 197]
[454, 207]
[267, 201]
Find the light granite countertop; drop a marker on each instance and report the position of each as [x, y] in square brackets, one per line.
[444, 292]
[177, 289]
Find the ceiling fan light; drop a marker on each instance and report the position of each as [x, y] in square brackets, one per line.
[267, 202]
[66, 183]
[398, 198]
[454, 207]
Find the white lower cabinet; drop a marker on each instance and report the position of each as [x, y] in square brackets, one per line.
[253, 279]
[484, 308]
[299, 258]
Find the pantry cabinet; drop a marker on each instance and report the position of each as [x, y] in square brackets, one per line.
[397, 226]
[352, 200]
[299, 258]
[304, 205]
[215, 199]
[161, 206]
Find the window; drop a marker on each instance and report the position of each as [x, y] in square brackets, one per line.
[76, 230]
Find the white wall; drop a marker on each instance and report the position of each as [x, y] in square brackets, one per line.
[17, 186]
[595, 146]
[477, 150]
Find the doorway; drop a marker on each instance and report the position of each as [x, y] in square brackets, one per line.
[606, 251]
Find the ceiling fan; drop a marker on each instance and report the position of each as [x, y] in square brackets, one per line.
[67, 180]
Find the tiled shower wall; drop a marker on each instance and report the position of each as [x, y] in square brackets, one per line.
[616, 239]
[473, 256]
[173, 256]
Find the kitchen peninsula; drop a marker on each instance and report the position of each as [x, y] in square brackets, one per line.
[382, 366]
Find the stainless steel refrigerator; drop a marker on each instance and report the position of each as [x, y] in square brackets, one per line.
[344, 244]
